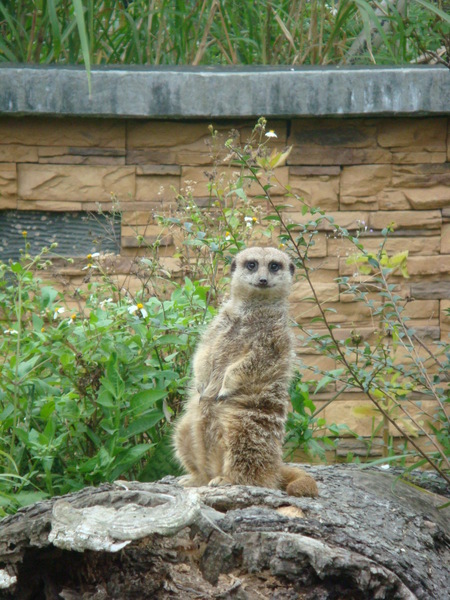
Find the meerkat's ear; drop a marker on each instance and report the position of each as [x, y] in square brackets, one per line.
[292, 268]
[233, 265]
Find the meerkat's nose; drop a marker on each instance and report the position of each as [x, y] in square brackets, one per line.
[262, 281]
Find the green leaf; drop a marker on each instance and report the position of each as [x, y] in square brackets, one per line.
[146, 398]
[323, 382]
[128, 459]
[82, 32]
[142, 424]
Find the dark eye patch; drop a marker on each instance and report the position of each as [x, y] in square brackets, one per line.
[274, 266]
[252, 265]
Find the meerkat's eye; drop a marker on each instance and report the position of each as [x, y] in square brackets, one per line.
[251, 265]
[274, 267]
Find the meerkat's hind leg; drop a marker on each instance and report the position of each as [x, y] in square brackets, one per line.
[298, 483]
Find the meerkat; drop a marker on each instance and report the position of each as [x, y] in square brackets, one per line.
[233, 425]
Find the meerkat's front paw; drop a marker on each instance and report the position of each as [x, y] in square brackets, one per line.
[217, 481]
[189, 481]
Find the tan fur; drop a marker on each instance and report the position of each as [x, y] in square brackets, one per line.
[232, 429]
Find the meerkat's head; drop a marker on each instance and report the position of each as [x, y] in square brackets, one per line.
[263, 274]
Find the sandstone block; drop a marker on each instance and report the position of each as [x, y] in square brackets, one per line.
[318, 191]
[326, 292]
[159, 170]
[415, 245]
[417, 135]
[429, 219]
[8, 203]
[429, 265]
[80, 155]
[155, 187]
[148, 229]
[16, 153]
[315, 170]
[36, 131]
[173, 143]
[310, 364]
[354, 314]
[436, 290]
[363, 181]
[335, 142]
[420, 175]
[393, 200]
[8, 181]
[414, 158]
[144, 217]
[351, 220]
[82, 160]
[73, 183]
[445, 239]
[426, 198]
[421, 309]
[51, 205]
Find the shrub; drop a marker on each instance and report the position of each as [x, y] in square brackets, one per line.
[87, 394]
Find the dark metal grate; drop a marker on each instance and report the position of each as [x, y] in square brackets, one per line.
[77, 233]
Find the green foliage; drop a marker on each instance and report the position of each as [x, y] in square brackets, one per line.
[220, 32]
[87, 396]
[306, 429]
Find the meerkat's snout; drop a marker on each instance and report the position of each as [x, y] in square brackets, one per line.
[263, 282]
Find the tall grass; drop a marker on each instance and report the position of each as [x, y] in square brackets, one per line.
[194, 32]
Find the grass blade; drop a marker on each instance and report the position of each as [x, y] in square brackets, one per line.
[82, 32]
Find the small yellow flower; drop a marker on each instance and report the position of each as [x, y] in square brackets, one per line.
[73, 317]
[89, 256]
[42, 329]
[281, 246]
[271, 134]
[140, 306]
[24, 233]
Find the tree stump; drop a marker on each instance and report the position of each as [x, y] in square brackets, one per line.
[368, 535]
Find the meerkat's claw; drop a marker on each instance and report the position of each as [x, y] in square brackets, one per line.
[218, 481]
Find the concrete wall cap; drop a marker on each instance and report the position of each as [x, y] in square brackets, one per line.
[224, 92]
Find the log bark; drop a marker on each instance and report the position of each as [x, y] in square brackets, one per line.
[368, 535]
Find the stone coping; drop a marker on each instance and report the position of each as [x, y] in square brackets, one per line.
[224, 92]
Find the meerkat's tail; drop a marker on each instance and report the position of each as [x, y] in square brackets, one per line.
[298, 483]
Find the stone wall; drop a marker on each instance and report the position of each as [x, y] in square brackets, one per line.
[365, 172]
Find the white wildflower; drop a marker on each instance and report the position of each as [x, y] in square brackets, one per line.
[138, 308]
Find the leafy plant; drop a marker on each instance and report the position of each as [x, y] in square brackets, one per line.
[267, 32]
[88, 395]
